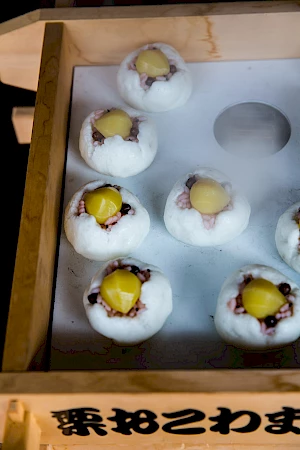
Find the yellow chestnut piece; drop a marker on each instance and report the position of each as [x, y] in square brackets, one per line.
[103, 203]
[115, 122]
[261, 298]
[208, 196]
[152, 62]
[121, 290]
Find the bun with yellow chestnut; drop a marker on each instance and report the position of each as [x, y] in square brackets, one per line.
[154, 78]
[118, 142]
[128, 300]
[258, 308]
[103, 221]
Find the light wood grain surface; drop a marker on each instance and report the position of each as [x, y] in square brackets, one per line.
[200, 32]
[151, 381]
[21, 431]
[44, 406]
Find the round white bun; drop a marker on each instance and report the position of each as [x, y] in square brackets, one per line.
[162, 95]
[117, 157]
[156, 294]
[244, 330]
[187, 226]
[91, 241]
[287, 237]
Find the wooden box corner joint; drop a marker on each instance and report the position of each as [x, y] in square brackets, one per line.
[21, 430]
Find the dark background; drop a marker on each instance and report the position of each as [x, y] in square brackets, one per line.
[16, 155]
[13, 169]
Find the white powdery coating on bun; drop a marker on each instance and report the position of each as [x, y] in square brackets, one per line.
[187, 226]
[93, 242]
[117, 157]
[244, 330]
[156, 295]
[287, 237]
[162, 95]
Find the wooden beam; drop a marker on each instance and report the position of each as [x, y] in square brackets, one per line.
[178, 446]
[200, 32]
[136, 382]
[22, 119]
[58, 412]
[32, 286]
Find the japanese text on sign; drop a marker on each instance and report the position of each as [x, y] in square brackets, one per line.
[84, 421]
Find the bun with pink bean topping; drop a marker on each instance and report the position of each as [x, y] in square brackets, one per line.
[115, 155]
[118, 235]
[169, 89]
[204, 209]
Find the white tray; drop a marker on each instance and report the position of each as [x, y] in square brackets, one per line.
[186, 140]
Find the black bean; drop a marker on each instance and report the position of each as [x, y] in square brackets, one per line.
[248, 279]
[150, 81]
[125, 208]
[97, 136]
[271, 321]
[173, 68]
[191, 181]
[134, 269]
[284, 288]
[92, 298]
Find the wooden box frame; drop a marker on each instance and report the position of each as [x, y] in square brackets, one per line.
[42, 48]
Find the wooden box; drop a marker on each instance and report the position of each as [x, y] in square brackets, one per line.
[150, 409]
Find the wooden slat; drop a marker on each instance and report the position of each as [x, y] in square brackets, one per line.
[150, 381]
[200, 32]
[176, 10]
[44, 407]
[22, 119]
[179, 446]
[21, 41]
[198, 38]
[35, 259]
